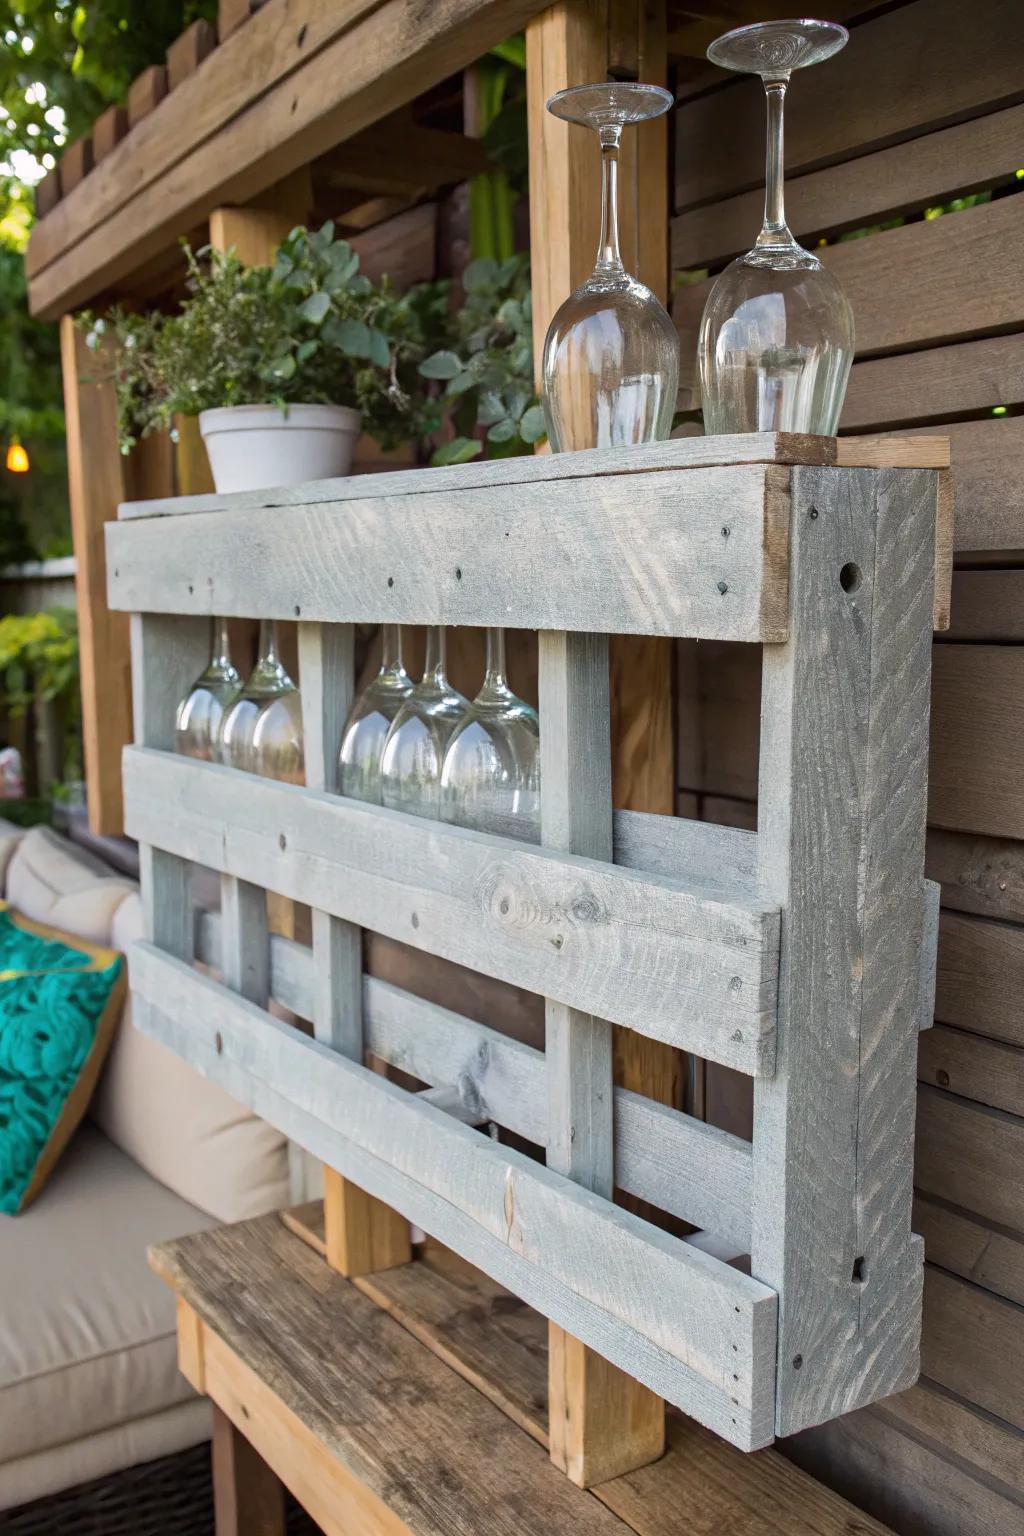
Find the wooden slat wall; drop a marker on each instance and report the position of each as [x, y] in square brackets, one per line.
[919, 108]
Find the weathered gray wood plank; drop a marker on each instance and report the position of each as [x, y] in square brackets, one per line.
[929, 953]
[245, 939]
[688, 1326]
[701, 553]
[671, 961]
[576, 817]
[695, 1171]
[841, 847]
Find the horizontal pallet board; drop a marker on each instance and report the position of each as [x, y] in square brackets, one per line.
[702, 553]
[942, 382]
[687, 1325]
[976, 767]
[679, 1164]
[674, 962]
[971, 1156]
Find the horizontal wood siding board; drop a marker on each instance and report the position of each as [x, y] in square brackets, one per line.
[674, 963]
[985, 1071]
[988, 472]
[943, 382]
[664, 1310]
[980, 976]
[970, 1156]
[909, 287]
[647, 558]
[976, 767]
[973, 1343]
[251, 117]
[966, 1245]
[679, 1164]
[988, 607]
[904, 178]
[904, 73]
[988, 1446]
[979, 875]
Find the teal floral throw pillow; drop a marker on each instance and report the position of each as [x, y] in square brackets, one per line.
[60, 1003]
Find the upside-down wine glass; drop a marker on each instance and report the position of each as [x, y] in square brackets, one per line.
[410, 767]
[262, 730]
[201, 711]
[611, 356]
[366, 728]
[776, 337]
[490, 778]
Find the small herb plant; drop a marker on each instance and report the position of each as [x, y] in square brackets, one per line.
[487, 364]
[310, 329]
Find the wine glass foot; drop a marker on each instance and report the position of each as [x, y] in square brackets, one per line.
[613, 102]
[773, 49]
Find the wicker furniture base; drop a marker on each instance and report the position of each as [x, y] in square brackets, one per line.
[172, 1496]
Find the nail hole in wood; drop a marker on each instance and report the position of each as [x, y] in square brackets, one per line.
[798, 1361]
[391, 581]
[458, 573]
[858, 1271]
[302, 36]
[282, 842]
[190, 590]
[298, 610]
[415, 920]
[725, 533]
[813, 514]
[942, 1077]
[218, 1043]
[849, 577]
[723, 587]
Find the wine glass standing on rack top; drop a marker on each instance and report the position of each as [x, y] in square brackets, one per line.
[201, 711]
[366, 728]
[262, 730]
[410, 768]
[611, 356]
[776, 337]
[490, 778]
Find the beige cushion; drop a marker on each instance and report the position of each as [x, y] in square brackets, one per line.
[108, 1450]
[10, 837]
[87, 1332]
[185, 1131]
[55, 882]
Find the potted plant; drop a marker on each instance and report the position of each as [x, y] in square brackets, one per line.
[283, 365]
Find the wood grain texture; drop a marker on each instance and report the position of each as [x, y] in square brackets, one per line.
[566, 554]
[674, 1162]
[188, 51]
[970, 1156]
[989, 1447]
[625, 947]
[908, 71]
[96, 483]
[988, 606]
[624, 1288]
[988, 465]
[967, 1246]
[973, 1343]
[900, 179]
[841, 846]
[146, 92]
[984, 875]
[291, 84]
[976, 767]
[248, 1498]
[980, 973]
[985, 1071]
[941, 382]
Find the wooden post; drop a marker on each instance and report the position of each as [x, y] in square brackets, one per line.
[362, 1234]
[96, 484]
[248, 1498]
[602, 1422]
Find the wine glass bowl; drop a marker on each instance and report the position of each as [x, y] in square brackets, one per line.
[610, 369]
[262, 730]
[776, 337]
[410, 766]
[490, 778]
[366, 729]
[200, 714]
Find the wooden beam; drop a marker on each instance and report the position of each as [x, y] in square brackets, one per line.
[75, 163]
[188, 51]
[107, 132]
[293, 83]
[96, 484]
[146, 92]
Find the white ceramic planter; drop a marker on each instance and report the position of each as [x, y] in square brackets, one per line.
[253, 447]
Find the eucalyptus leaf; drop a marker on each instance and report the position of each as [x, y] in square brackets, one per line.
[350, 336]
[316, 308]
[459, 451]
[490, 409]
[441, 365]
[480, 274]
[531, 425]
[380, 351]
[502, 430]
[460, 384]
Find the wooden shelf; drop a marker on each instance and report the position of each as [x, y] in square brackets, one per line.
[415, 1400]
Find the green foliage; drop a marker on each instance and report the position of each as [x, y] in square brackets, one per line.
[39, 664]
[309, 329]
[487, 365]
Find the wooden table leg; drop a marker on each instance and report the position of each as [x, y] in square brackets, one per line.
[248, 1498]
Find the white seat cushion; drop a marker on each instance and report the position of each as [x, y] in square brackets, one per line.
[87, 1332]
[56, 882]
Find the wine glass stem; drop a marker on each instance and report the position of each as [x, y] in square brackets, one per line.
[775, 229]
[495, 658]
[220, 648]
[608, 257]
[434, 670]
[391, 647]
[268, 642]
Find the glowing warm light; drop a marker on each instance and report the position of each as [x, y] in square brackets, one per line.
[17, 460]
[999, 410]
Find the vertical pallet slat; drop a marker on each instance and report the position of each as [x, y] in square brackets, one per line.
[603, 1423]
[167, 654]
[362, 1234]
[841, 847]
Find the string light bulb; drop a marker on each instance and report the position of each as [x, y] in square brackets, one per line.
[17, 459]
